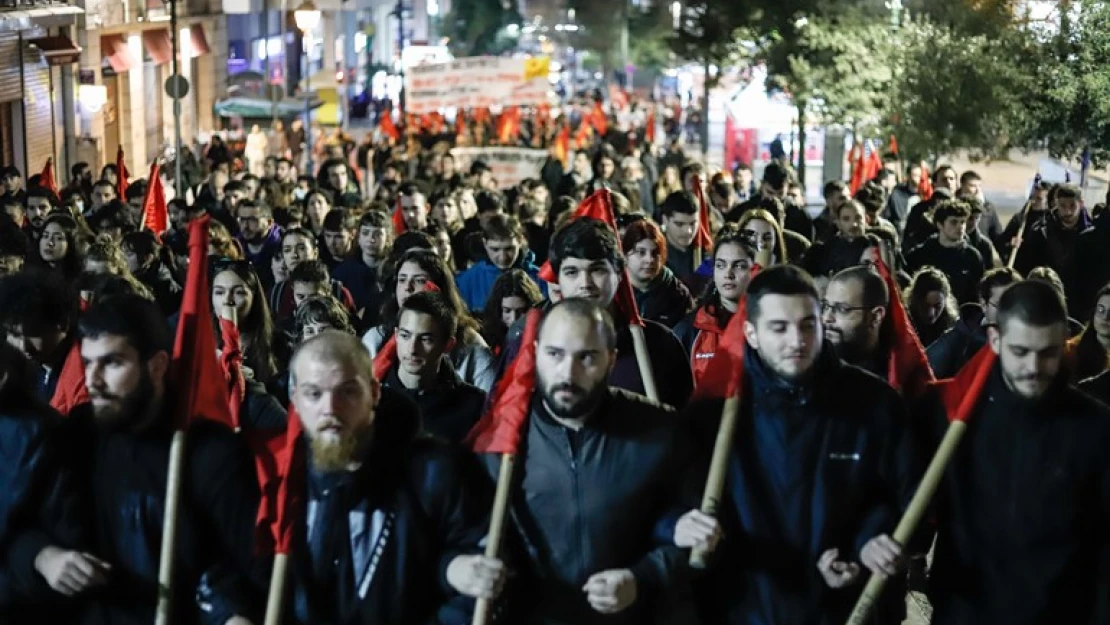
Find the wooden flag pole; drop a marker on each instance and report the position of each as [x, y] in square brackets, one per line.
[1020, 237]
[697, 258]
[496, 528]
[169, 529]
[275, 602]
[914, 513]
[718, 468]
[643, 359]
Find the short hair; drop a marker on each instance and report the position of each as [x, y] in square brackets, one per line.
[264, 210]
[435, 306]
[323, 309]
[104, 183]
[234, 185]
[43, 193]
[332, 346]
[834, 186]
[488, 201]
[969, 176]
[998, 277]
[37, 299]
[875, 290]
[138, 320]
[340, 220]
[586, 310]
[1032, 302]
[374, 219]
[409, 189]
[679, 202]
[1049, 276]
[776, 175]
[645, 230]
[778, 280]
[947, 209]
[77, 168]
[588, 239]
[1068, 191]
[502, 226]
[849, 204]
[871, 196]
[311, 272]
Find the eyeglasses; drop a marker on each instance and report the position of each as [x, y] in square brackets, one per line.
[1102, 312]
[838, 308]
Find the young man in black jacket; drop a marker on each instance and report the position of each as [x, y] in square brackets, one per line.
[391, 523]
[950, 252]
[426, 327]
[817, 479]
[959, 343]
[1022, 511]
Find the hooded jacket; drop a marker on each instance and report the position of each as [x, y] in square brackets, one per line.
[700, 333]
[449, 409]
[666, 300]
[476, 282]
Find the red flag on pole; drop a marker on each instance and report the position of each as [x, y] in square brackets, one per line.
[893, 147]
[908, 369]
[231, 359]
[388, 128]
[703, 238]
[499, 430]
[599, 120]
[47, 180]
[196, 371]
[460, 124]
[649, 130]
[925, 185]
[398, 219]
[961, 393]
[562, 146]
[873, 165]
[121, 174]
[70, 390]
[155, 215]
[855, 158]
[725, 377]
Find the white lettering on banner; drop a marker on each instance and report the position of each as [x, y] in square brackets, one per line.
[474, 82]
[509, 165]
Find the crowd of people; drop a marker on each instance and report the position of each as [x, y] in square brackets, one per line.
[401, 250]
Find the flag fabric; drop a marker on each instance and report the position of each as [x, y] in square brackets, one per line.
[703, 238]
[47, 179]
[562, 146]
[962, 393]
[482, 115]
[387, 127]
[582, 135]
[726, 377]
[70, 390]
[196, 371]
[279, 464]
[231, 360]
[399, 219]
[649, 127]
[908, 370]
[874, 165]
[155, 214]
[925, 185]
[599, 120]
[599, 206]
[500, 428]
[121, 174]
[893, 147]
[855, 159]
[508, 125]
[460, 124]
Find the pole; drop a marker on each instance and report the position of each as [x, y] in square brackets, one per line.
[1020, 235]
[496, 527]
[401, 54]
[643, 359]
[53, 124]
[176, 71]
[169, 529]
[307, 106]
[266, 65]
[718, 467]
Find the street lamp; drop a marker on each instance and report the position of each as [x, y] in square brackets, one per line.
[307, 17]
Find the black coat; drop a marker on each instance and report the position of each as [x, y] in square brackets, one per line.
[959, 343]
[1091, 249]
[667, 300]
[1023, 509]
[447, 411]
[963, 265]
[1098, 387]
[593, 500]
[166, 290]
[431, 504]
[826, 258]
[813, 468]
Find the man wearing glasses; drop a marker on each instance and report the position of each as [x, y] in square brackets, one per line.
[855, 305]
[960, 342]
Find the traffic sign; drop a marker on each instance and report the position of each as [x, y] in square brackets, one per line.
[177, 86]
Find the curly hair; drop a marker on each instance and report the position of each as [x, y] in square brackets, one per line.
[512, 283]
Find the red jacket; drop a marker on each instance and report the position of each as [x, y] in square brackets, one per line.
[700, 333]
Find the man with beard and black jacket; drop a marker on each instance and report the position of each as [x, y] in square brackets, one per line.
[949, 251]
[1054, 242]
[600, 469]
[116, 462]
[660, 295]
[426, 327]
[587, 262]
[1022, 512]
[949, 353]
[857, 302]
[817, 477]
[390, 528]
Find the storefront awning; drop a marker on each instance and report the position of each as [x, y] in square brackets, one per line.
[115, 49]
[198, 43]
[57, 49]
[158, 45]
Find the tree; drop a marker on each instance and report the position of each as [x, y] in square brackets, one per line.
[477, 27]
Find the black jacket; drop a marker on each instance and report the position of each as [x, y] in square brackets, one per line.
[591, 500]
[1022, 510]
[898, 205]
[813, 468]
[1098, 387]
[919, 221]
[1091, 249]
[167, 292]
[667, 300]
[963, 265]
[826, 258]
[959, 343]
[413, 505]
[985, 248]
[450, 409]
[1052, 245]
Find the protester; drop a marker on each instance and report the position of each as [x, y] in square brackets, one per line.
[660, 296]
[505, 249]
[953, 349]
[512, 296]
[950, 251]
[930, 304]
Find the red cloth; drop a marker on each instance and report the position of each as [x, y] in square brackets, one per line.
[925, 185]
[599, 206]
[196, 371]
[873, 165]
[70, 391]
[508, 125]
[280, 467]
[961, 393]
[703, 238]
[855, 158]
[460, 124]
[649, 130]
[499, 430]
[388, 128]
[399, 219]
[231, 359]
[562, 146]
[47, 180]
[582, 135]
[893, 147]
[599, 120]
[726, 377]
[155, 215]
[121, 174]
[908, 369]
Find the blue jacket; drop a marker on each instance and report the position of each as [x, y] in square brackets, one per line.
[476, 283]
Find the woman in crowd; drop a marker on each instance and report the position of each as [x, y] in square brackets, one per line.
[512, 296]
[317, 204]
[1088, 354]
[235, 284]
[145, 259]
[931, 305]
[660, 295]
[57, 248]
[761, 231]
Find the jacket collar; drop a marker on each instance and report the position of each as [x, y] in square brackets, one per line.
[707, 321]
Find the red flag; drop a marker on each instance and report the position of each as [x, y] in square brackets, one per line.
[231, 359]
[873, 165]
[725, 378]
[155, 215]
[121, 174]
[893, 147]
[562, 146]
[279, 465]
[649, 130]
[196, 372]
[599, 120]
[599, 206]
[855, 158]
[399, 219]
[70, 391]
[925, 185]
[47, 180]
[388, 128]
[908, 369]
[703, 238]
[499, 430]
[961, 393]
[582, 135]
[460, 124]
[508, 125]
[481, 116]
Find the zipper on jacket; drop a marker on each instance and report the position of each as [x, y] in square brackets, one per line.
[578, 533]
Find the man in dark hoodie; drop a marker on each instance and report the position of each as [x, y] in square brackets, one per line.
[1054, 242]
[950, 252]
[903, 197]
[680, 222]
[949, 353]
[660, 296]
[38, 315]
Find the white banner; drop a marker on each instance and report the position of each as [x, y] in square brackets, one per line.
[509, 165]
[476, 82]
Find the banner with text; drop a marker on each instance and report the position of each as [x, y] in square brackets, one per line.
[509, 165]
[476, 82]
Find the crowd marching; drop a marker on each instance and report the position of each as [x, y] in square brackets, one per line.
[633, 389]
